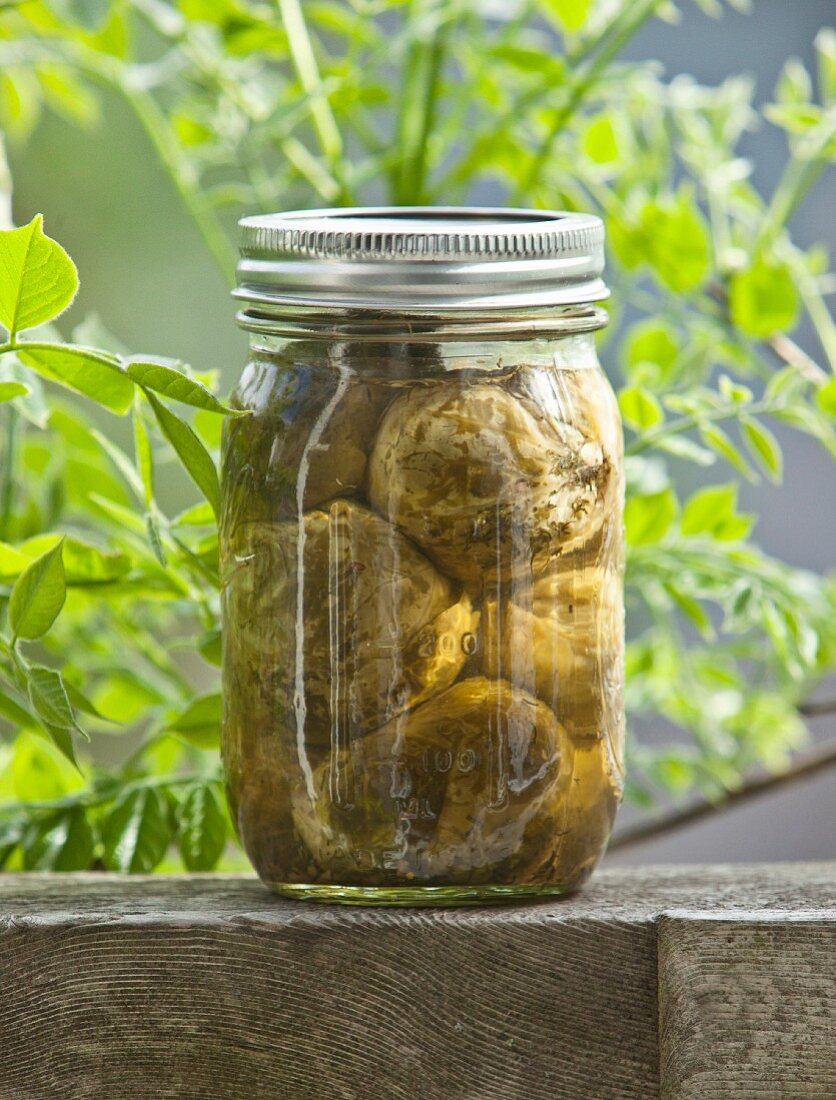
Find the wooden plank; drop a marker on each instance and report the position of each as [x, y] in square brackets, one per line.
[208, 986]
[747, 1006]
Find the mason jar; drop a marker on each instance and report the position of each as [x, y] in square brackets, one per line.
[421, 554]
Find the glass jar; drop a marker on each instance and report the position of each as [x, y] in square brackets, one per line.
[421, 553]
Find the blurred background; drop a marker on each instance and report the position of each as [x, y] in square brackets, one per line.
[145, 272]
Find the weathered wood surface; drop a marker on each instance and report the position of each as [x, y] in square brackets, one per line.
[654, 982]
[747, 1006]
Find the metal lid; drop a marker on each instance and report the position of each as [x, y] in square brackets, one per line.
[420, 259]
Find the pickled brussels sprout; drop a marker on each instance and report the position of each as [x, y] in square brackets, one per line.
[468, 473]
[465, 788]
[421, 559]
[562, 641]
[311, 441]
[363, 627]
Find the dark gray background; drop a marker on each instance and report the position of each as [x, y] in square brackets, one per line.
[145, 272]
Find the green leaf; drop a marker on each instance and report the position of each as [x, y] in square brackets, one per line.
[11, 710]
[144, 455]
[200, 722]
[825, 43]
[63, 842]
[763, 300]
[11, 834]
[84, 564]
[571, 15]
[718, 441]
[794, 84]
[168, 378]
[651, 345]
[38, 595]
[676, 242]
[96, 374]
[10, 390]
[203, 828]
[647, 519]
[600, 141]
[826, 397]
[764, 448]
[48, 696]
[155, 538]
[639, 408]
[38, 280]
[692, 609]
[211, 647]
[193, 454]
[137, 831]
[31, 405]
[713, 511]
[63, 741]
[199, 515]
[12, 562]
[682, 447]
[122, 463]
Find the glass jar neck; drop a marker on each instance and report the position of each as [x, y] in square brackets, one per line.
[408, 359]
[420, 326]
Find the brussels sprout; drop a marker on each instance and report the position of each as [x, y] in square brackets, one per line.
[310, 433]
[579, 823]
[447, 792]
[362, 628]
[562, 640]
[468, 472]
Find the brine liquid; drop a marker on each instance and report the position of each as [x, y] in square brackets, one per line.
[423, 627]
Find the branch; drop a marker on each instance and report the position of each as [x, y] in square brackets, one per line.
[810, 763]
[790, 353]
[817, 709]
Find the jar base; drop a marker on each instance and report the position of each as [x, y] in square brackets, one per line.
[416, 896]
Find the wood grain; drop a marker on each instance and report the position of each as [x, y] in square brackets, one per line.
[747, 1006]
[208, 986]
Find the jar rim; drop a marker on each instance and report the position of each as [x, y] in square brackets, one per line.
[420, 261]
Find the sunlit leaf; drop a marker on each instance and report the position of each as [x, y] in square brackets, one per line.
[764, 448]
[571, 15]
[713, 511]
[763, 300]
[639, 408]
[168, 378]
[647, 519]
[38, 595]
[193, 454]
[95, 374]
[200, 722]
[10, 390]
[38, 280]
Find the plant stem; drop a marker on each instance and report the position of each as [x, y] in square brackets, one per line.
[817, 760]
[419, 98]
[629, 20]
[165, 145]
[307, 69]
[9, 471]
[797, 179]
[685, 423]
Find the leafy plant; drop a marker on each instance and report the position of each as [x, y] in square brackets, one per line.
[112, 603]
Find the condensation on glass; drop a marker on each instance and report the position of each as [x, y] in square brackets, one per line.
[421, 549]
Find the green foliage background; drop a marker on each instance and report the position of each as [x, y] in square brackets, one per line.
[110, 626]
